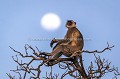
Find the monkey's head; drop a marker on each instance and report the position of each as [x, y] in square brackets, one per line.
[70, 24]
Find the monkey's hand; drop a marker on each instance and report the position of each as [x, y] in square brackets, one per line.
[52, 42]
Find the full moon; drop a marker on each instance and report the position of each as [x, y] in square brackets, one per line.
[50, 21]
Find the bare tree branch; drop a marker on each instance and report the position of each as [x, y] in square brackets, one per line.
[96, 51]
[97, 69]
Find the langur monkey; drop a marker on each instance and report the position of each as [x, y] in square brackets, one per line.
[72, 42]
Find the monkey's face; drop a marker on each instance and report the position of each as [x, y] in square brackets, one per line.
[70, 24]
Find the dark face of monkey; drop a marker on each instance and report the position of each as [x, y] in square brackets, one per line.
[70, 24]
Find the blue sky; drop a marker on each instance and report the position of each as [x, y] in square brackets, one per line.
[98, 20]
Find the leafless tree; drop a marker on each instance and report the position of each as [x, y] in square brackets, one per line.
[95, 70]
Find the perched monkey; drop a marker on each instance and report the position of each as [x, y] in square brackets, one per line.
[73, 41]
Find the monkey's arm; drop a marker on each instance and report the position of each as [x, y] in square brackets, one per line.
[52, 42]
[58, 41]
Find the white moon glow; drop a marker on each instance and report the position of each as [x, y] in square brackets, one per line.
[50, 21]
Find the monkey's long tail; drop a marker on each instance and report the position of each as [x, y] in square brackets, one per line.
[80, 67]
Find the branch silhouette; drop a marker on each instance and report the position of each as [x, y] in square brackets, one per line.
[96, 70]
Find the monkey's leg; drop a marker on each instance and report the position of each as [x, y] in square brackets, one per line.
[57, 52]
